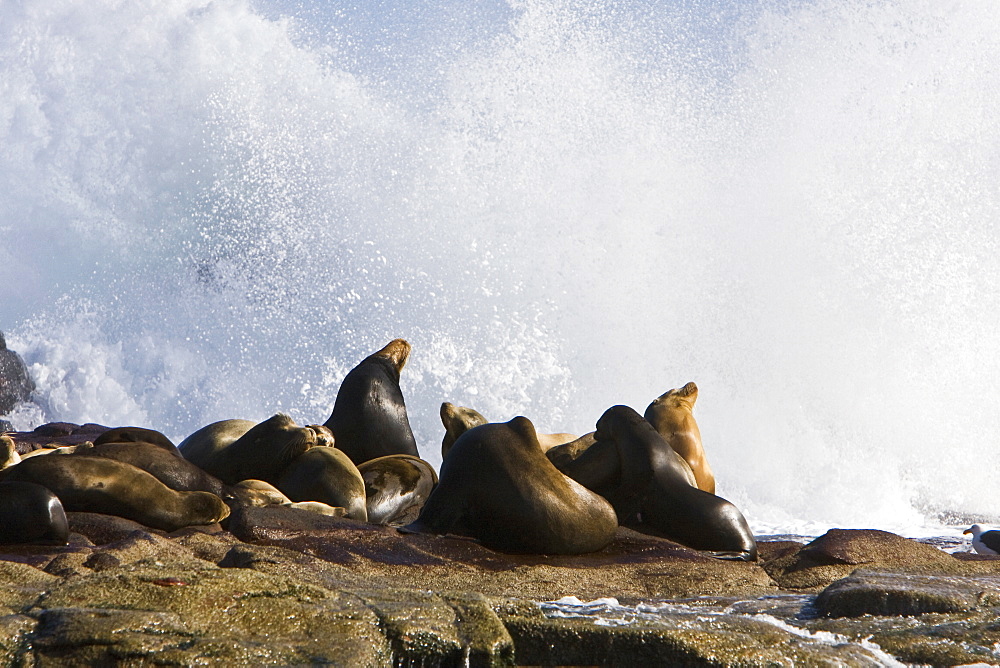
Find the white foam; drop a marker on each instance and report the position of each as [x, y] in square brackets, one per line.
[216, 212]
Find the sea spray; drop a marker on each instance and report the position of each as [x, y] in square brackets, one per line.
[214, 210]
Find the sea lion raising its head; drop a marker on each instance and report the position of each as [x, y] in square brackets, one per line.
[459, 419]
[670, 414]
[497, 486]
[369, 416]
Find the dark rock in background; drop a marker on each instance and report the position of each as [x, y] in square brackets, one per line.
[15, 383]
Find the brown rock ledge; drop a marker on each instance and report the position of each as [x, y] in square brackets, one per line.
[282, 586]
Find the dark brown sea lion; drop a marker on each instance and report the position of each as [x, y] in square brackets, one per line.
[667, 505]
[169, 468]
[497, 486]
[396, 487]
[31, 514]
[670, 414]
[211, 439]
[459, 419]
[369, 416]
[326, 475]
[137, 435]
[100, 485]
[261, 452]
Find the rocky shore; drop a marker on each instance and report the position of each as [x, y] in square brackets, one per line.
[281, 586]
[276, 585]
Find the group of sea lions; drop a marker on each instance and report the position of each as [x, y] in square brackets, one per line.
[502, 484]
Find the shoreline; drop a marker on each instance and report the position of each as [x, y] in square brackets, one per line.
[283, 586]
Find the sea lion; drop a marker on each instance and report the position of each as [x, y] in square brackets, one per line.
[396, 488]
[670, 414]
[561, 455]
[369, 416]
[166, 465]
[668, 504]
[497, 486]
[317, 507]
[100, 485]
[8, 452]
[257, 493]
[211, 439]
[61, 450]
[459, 419]
[32, 514]
[137, 435]
[261, 451]
[326, 475]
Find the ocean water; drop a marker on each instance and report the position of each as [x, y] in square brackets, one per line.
[214, 209]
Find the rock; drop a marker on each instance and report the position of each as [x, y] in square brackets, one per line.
[955, 639]
[15, 383]
[188, 613]
[431, 630]
[867, 592]
[681, 638]
[838, 552]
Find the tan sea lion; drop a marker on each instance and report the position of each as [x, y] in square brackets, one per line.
[369, 416]
[8, 452]
[396, 488]
[61, 450]
[497, 486]
[459, 419]
[257, 493]
[670, 414]
[261, 451]
[99, 485]
[317, 507]
[326, 475]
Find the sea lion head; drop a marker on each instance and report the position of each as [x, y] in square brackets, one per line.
[324, 437]
[457, 420]
[615, 421]
[205, 507]
[679, 397]
[396, 351]
[8, 452]
[281, 430]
